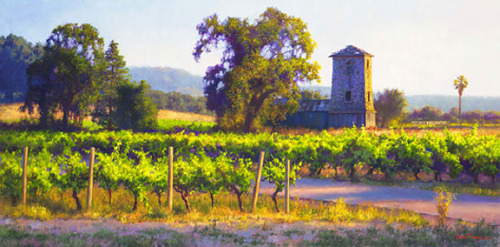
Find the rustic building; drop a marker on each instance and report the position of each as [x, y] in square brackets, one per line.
[351, 100]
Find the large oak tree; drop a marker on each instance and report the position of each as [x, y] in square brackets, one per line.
[261, 63]
[68, 76]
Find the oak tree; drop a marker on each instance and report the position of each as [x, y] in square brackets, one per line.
[67, 77]
[261, 63]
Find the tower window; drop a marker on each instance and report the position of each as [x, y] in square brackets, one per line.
[368, 96]
[367, 64]
[348, 96]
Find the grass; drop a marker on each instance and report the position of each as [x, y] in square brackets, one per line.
[461, 234]
[171, 124]
[473, 189]
[390, 236]
[16, 236]
[56, 205]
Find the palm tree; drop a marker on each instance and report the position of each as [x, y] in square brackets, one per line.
[460, 84]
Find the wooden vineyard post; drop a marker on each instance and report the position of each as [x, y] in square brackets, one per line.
[170, 192]
[91, 179]
[287, 187]
[257, 181]
[25, 179]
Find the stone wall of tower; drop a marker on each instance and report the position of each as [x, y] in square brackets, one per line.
[368, 84]
[349, 76]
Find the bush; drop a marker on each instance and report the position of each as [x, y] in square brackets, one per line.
[135, 110]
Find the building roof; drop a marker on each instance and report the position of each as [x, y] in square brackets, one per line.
[313, 105]
[351, 51]
[309, 104]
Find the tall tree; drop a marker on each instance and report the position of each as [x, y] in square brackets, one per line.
[460, 84]
[261, 63]
[116, 74]
[16, 54]
[68, 76]
[390, 105]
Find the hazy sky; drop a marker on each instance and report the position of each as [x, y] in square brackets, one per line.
[419, 46]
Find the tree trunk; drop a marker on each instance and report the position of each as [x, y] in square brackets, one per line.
[253, 108]
[240, 202]
[476, 178]
[77, 200]
[370, 172]
[249, 122]
[416, 176]
[351, 174]
[13, 200]
[184, 197]
[110, 192]
[158, 194]
[212, 198]
[65, 117]
[134, 208]
[275, 194]
[459, 106]
[493, 178]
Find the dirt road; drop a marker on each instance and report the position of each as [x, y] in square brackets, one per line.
[466, 207]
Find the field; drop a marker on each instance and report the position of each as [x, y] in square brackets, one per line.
[214, 177]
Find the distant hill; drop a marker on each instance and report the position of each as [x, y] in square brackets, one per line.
[445, 103]
[168, 79]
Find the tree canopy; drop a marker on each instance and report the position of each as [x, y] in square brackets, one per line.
[16, 54]
[390, 106]
[67, 77]
[261, 63]
[116, 74]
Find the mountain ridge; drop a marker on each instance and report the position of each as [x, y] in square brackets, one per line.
[169, 79]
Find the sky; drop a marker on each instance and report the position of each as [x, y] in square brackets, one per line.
[419, 46]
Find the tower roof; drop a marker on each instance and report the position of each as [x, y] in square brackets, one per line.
[351, 51]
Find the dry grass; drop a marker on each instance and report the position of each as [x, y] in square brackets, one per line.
[11, 113]
[57, 205]
[166, 114]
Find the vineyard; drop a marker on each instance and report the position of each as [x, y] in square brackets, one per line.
[221, 162]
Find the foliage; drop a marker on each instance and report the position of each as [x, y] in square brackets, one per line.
[390, 106]
[310, 94]
[443, 200]
[428, 113]
[135, 110]
[68, 76]
[116, 74]
[261, 63]
[176, 101]
[16, 54]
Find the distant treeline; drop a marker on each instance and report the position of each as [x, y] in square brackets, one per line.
[16, 54]
[176, 101]
[430, 113]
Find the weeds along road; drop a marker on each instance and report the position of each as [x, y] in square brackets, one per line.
[466, 207]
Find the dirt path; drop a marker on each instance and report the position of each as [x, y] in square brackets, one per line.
[466, 207]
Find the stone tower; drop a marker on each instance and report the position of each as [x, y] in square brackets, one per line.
[351, 101]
